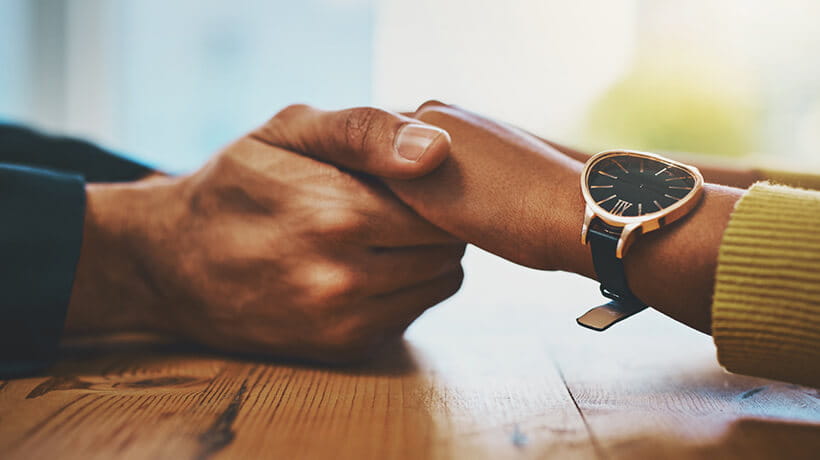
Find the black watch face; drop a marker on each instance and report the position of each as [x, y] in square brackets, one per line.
[631, 186]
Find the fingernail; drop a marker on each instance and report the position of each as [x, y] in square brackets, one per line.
[413, 140]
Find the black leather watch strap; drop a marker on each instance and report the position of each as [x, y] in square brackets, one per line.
[603, 241]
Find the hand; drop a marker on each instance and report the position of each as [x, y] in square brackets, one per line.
[520, 198]
[267, 251]
[517, 196]
[500, 188]
[508, 192]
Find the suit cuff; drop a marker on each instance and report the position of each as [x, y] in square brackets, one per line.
[41, 228]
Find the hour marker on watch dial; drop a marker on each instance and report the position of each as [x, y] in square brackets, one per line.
[620, 166]
[620, 207]
[625, 185]
[606, 199]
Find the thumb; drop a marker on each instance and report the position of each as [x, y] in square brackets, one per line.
[364, 139]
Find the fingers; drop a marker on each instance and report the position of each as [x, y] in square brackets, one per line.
[393, 224]
[399, 309]
[434, 105]
[364, 139]
[500, 189]
[335, 205]
[383, 318]
[430, 104]
[371, 217]
[389, 270]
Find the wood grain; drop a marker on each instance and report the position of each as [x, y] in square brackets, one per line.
[498, 372]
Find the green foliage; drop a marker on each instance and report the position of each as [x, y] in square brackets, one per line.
[687, 110]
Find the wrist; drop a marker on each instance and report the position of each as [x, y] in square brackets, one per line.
[575, 255]
[561, 237]
[674, 270]
[112, 288]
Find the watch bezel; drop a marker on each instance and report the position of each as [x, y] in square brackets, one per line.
[647, 222]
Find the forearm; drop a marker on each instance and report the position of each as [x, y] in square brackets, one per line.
[520, 198]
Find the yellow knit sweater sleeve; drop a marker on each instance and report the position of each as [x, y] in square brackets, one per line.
[791, 178]
[766, 309]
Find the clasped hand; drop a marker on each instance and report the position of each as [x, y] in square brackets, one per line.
[281, 246]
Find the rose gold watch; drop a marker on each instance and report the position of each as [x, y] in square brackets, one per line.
[627, 194]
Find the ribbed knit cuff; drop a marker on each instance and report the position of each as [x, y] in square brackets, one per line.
[766, 310]
[791, 178]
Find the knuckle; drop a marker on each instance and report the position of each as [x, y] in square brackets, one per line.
[454, 282]
[276, 130]
[454, 252]
[435, 112]
[291, 111]
[429, 104]
[335, 222]
[332, 286]
[360, 126]
[228, 162]
[458, 280]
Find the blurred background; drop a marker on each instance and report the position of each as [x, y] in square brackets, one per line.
[169, 82]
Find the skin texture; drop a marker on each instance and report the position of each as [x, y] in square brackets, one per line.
[270, 249]
[519, 197]
[267, 251]
[537, 211]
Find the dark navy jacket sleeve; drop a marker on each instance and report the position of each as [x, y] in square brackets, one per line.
[42, 206]
[40, 235]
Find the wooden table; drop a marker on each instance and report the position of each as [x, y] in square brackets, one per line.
[500, 371]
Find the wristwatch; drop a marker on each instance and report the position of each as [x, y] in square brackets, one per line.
[627, 194]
